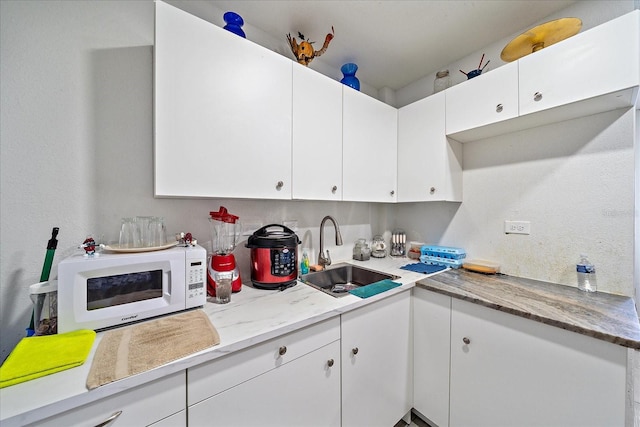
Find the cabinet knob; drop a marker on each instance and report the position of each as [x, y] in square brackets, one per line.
[537, 96]
[282, 350]
[466, 340]
[499, 108]
[432, 190]
[355, 350]
[392, 192]
[279, 185]
[330, 362]
[334, 189]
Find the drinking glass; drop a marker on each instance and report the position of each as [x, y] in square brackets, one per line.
[129, 235]
[144, 229]
[223, 281]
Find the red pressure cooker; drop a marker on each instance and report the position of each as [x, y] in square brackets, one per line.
[274, 257]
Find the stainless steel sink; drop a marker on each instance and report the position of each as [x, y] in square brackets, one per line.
[339, 279]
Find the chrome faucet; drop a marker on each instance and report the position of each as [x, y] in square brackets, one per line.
[322, 260]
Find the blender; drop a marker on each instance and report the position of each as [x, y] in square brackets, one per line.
[225, 230]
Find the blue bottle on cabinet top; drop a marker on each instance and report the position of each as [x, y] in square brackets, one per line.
[234, 23]
[350, 79]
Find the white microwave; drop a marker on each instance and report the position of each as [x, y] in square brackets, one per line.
[112, 289]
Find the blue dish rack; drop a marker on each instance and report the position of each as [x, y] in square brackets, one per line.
[442, 255]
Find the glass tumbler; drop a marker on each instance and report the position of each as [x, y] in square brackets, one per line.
[129, 235]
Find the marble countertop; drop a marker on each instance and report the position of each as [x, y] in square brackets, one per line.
[599, 315]
[253, 316]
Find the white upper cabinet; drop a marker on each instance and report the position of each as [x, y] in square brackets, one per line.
[369, 148]
[592, 72]
[222, 112]
[429, 166]
[600, 61]
[317, 135]
[486, 99]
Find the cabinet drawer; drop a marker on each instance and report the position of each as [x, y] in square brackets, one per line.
[140, 406]
[214, 377]
[304, 392]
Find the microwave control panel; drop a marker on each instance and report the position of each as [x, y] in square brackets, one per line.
[196, 290]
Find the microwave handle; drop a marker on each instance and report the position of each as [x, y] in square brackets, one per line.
[168, 280]
[109, 420]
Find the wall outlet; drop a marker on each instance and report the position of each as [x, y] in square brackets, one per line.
[517, 227]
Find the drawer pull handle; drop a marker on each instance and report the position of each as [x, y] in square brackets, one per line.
[499, 108]
[109, 420]
[355, 350]
[334, 189]
[282, 350]
[279, 185]
[330, 362]
[466, 340]
[537, 96]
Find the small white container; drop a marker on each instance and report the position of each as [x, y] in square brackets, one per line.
[45, 307]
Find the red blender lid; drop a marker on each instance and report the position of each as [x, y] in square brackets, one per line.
[224, 216]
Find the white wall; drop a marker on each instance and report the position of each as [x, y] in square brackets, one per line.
[573, 180]
[76, 146]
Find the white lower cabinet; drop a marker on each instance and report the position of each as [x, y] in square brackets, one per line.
[290, 380]
[175, 420]
[506, 370]
[376, 363]
[431, 355]
[160, 402]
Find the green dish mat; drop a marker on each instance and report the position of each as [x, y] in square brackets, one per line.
[374, 288]
[36, 357]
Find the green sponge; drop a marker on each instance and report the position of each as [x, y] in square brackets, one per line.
[374, 288]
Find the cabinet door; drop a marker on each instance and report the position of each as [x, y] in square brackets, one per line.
[139, 406]
[431, 355]
[599, 61]
[317, 135]
[515, 371]
[303, 392]
[222, 112]
[376, 363]
[483, 100]
[369, 148]
[429, 165]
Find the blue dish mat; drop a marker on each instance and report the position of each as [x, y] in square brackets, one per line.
[374, 288]
[420, 267]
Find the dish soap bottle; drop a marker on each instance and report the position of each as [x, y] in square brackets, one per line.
[304, 264]
[586, 275]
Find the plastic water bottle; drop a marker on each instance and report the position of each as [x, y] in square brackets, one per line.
[586, 275]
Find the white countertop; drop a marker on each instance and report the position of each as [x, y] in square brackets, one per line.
[253, 316]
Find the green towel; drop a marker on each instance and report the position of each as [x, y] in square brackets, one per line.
[374, 288]
[36, 357]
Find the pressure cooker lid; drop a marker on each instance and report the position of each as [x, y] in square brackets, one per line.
[273, 236]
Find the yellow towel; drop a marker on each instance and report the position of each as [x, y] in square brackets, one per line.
[36, 357]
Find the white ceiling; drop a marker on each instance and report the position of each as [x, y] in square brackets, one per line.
[394, 42]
